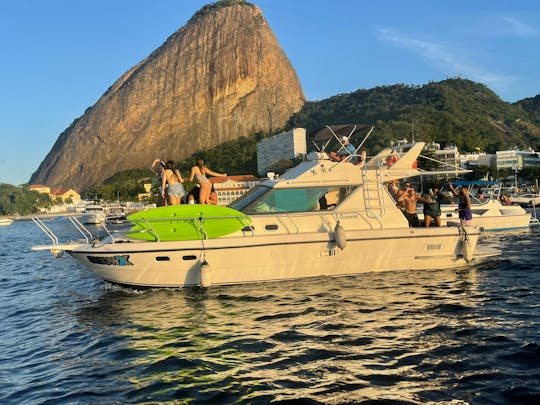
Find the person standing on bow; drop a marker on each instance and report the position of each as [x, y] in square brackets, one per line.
[198, 173]
[172, 182]
[158, 166]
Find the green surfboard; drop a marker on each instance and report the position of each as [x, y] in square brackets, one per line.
[186, 222]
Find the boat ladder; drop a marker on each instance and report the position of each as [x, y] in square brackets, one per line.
[373, 194]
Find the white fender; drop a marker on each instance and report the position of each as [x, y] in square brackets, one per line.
[339, 234]
[206, 279]
[467, 250]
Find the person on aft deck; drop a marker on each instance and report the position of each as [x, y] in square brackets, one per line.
[409, 200]
[464, 204]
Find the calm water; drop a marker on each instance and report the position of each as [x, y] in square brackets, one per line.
[449, 337]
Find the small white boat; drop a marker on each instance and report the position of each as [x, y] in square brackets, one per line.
[489, 213]
[6, 221]
[526, 200]
[94, 214]
[116, 216]
[320, 218]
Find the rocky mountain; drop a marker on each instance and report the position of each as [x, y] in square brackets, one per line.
[220, 77]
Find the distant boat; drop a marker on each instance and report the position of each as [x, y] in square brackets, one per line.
[116, 216]
[5, 221]
[526, 200]
[490, 214]
[94, 214]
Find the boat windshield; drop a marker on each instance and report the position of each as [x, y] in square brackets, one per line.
[263, 200]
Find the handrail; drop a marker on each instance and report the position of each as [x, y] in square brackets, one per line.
[198, 222]
[150, 229]
[81, 228]
[46, 230]
[179, 219]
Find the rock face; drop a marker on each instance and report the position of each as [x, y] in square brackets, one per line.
[220, 77]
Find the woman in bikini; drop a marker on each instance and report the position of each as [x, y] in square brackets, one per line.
[158, 166]
[173, 180]
[199, 172]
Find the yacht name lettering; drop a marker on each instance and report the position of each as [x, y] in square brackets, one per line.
[122, 260]
[348, 216]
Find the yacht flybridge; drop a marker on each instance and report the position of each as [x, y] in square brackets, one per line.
[320, 218]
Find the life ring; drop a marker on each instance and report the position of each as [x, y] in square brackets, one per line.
[390, 160]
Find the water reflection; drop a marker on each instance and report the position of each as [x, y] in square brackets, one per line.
[371, 336]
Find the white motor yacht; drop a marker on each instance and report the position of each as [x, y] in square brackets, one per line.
[526, 200]
[320, 218]
[94, 214]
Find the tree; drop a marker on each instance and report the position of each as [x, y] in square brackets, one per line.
[21, 201]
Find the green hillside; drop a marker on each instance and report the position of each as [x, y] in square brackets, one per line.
[532, 106]
[453, 111]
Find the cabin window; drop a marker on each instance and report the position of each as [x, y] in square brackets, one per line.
[263, 200]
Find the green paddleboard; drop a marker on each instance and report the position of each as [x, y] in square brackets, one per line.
[186, 222]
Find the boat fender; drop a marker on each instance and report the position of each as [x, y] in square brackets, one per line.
[341, 238]
[467, 250]
[205, 279]
[57, 253]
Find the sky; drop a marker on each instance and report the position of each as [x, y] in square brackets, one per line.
[58, 57]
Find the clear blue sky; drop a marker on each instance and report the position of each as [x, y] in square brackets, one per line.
[59, 56]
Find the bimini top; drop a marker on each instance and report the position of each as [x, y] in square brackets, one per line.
[467, 183]
[328, 132]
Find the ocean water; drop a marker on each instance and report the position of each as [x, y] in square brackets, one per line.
[469, 336]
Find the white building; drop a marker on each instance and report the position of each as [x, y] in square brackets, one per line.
[470, 160]
[287, 145]
[450, 158]
[230, 188]
[516, 159]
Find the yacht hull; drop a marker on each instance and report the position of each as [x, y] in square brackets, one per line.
[240, 260]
